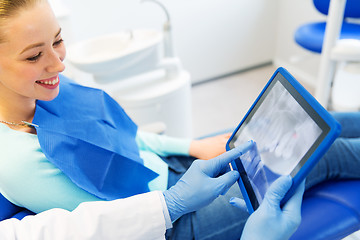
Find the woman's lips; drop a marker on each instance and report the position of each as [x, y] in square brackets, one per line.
[50, 83]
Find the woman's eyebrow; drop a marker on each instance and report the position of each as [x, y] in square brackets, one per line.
[58, 33]
[35, 45]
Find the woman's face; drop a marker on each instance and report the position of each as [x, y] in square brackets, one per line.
[31, 55]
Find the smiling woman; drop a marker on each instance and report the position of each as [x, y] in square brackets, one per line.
[30, 58]
[80, 145]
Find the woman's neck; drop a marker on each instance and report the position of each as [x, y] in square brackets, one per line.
[17, 109]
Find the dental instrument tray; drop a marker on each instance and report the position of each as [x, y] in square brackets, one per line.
[291, 130]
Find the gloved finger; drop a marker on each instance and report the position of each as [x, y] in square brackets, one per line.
[294, 203]
[239, 203]
[226, 181]
[213, 166]
[277, 190]
[224, 170]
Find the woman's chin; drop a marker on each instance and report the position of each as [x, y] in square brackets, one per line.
[51, 96]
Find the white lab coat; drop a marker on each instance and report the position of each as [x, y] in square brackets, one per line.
[137, 217]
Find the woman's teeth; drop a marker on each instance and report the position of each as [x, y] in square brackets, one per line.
[53, 82]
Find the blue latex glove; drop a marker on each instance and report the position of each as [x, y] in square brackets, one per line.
[201, 184]
[270, 221]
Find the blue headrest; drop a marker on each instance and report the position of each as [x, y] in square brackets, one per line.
[352, 9]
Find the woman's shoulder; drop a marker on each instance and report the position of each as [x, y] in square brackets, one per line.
[15, 147]
[19, 154]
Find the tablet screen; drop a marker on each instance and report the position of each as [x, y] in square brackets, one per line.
[286, 130]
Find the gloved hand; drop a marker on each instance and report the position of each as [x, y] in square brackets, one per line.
[270, 221]
[201, 184]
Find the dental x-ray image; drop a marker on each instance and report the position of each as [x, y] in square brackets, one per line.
[283, 132]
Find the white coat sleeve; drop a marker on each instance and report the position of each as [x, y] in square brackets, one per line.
[138, 217]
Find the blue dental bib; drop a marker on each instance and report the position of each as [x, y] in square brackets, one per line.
[90, 138]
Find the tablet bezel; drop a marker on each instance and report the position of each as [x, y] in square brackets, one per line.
[330, 130]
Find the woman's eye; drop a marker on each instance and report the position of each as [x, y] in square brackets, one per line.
[34, 58]
[58, 42]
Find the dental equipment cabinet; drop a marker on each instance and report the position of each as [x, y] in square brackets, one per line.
[139, 69]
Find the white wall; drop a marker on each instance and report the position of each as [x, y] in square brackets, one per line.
[211, 38]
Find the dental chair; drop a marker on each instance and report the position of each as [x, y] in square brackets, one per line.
[9, 210]
[330, 210]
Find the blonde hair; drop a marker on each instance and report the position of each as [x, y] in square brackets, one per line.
[10, 8]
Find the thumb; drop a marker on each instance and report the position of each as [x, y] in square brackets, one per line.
[214, 166]
[226, 181]
[296, 200]
[277, 190]
[239, 203]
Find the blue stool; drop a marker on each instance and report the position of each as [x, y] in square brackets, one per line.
[322, 37]
[311, 35]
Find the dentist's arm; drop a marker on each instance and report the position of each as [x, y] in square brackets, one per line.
[137, 217]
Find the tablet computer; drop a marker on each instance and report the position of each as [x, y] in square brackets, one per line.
[291, 131]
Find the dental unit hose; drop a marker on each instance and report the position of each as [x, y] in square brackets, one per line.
[168, 43]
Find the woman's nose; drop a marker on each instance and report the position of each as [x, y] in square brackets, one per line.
[56, 62]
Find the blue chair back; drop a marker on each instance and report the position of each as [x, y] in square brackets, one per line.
[352, 9]
[330, 210]
[9, 210]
